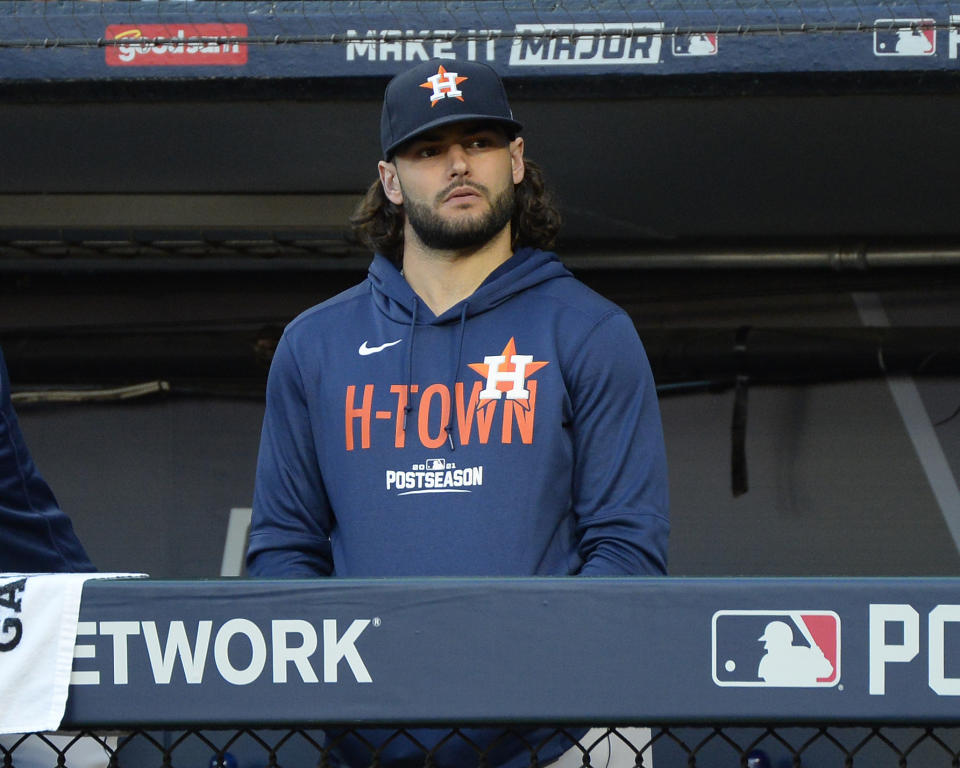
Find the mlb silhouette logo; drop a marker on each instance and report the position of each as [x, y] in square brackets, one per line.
[953, 37]
[905, 37]
[695, 45]
[776, 649]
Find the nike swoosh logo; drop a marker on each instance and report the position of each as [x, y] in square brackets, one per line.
[365, 350]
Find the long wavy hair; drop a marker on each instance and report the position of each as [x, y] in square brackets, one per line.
[377, 223]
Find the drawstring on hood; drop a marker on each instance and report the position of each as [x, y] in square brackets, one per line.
[394, 297]
[408, 407]
[448, 427]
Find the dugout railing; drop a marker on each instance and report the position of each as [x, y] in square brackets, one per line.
[288, 673]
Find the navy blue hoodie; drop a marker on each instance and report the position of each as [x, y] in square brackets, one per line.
[35, 535]
[516, 434]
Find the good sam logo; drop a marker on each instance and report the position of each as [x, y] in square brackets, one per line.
[184, 45]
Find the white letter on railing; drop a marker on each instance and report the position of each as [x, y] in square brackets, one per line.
[85, 677]
[120, 630]
[177, 645]
[299, 655]
[221, 651]
[880, 651]
[939, 682]
[344, 648]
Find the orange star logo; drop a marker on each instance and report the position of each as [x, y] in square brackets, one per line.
[444, 84]
[504, 383]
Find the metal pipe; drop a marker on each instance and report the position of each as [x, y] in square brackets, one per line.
[838, 260]
[16, 257]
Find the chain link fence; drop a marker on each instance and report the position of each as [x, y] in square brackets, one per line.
[673, 746]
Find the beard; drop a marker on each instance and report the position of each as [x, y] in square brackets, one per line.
[463, 233]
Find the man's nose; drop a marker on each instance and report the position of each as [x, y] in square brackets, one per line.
[457, 159]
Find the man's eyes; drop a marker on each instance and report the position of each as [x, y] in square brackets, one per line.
[476, 142]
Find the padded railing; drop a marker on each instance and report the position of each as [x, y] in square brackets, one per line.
[724, 672]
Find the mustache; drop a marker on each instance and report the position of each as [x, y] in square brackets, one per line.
[442, 195]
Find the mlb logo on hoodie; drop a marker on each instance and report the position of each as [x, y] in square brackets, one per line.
[783, 649]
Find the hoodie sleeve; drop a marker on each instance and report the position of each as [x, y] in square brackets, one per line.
[289, 532]
[36, 536]
[620, 491]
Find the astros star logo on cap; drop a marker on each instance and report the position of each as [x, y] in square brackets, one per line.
[444, 84]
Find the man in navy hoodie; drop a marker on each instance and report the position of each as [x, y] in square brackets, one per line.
[470, 409]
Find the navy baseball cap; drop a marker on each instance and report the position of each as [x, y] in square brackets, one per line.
[438, 92]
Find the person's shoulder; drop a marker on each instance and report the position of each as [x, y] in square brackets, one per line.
[325, 320]
[580, 300]
[329, 312]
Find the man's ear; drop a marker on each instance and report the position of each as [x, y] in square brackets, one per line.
[516, 159]
[390, 182]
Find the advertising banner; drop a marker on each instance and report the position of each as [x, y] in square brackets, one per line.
[184, 40]
[534, 650]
